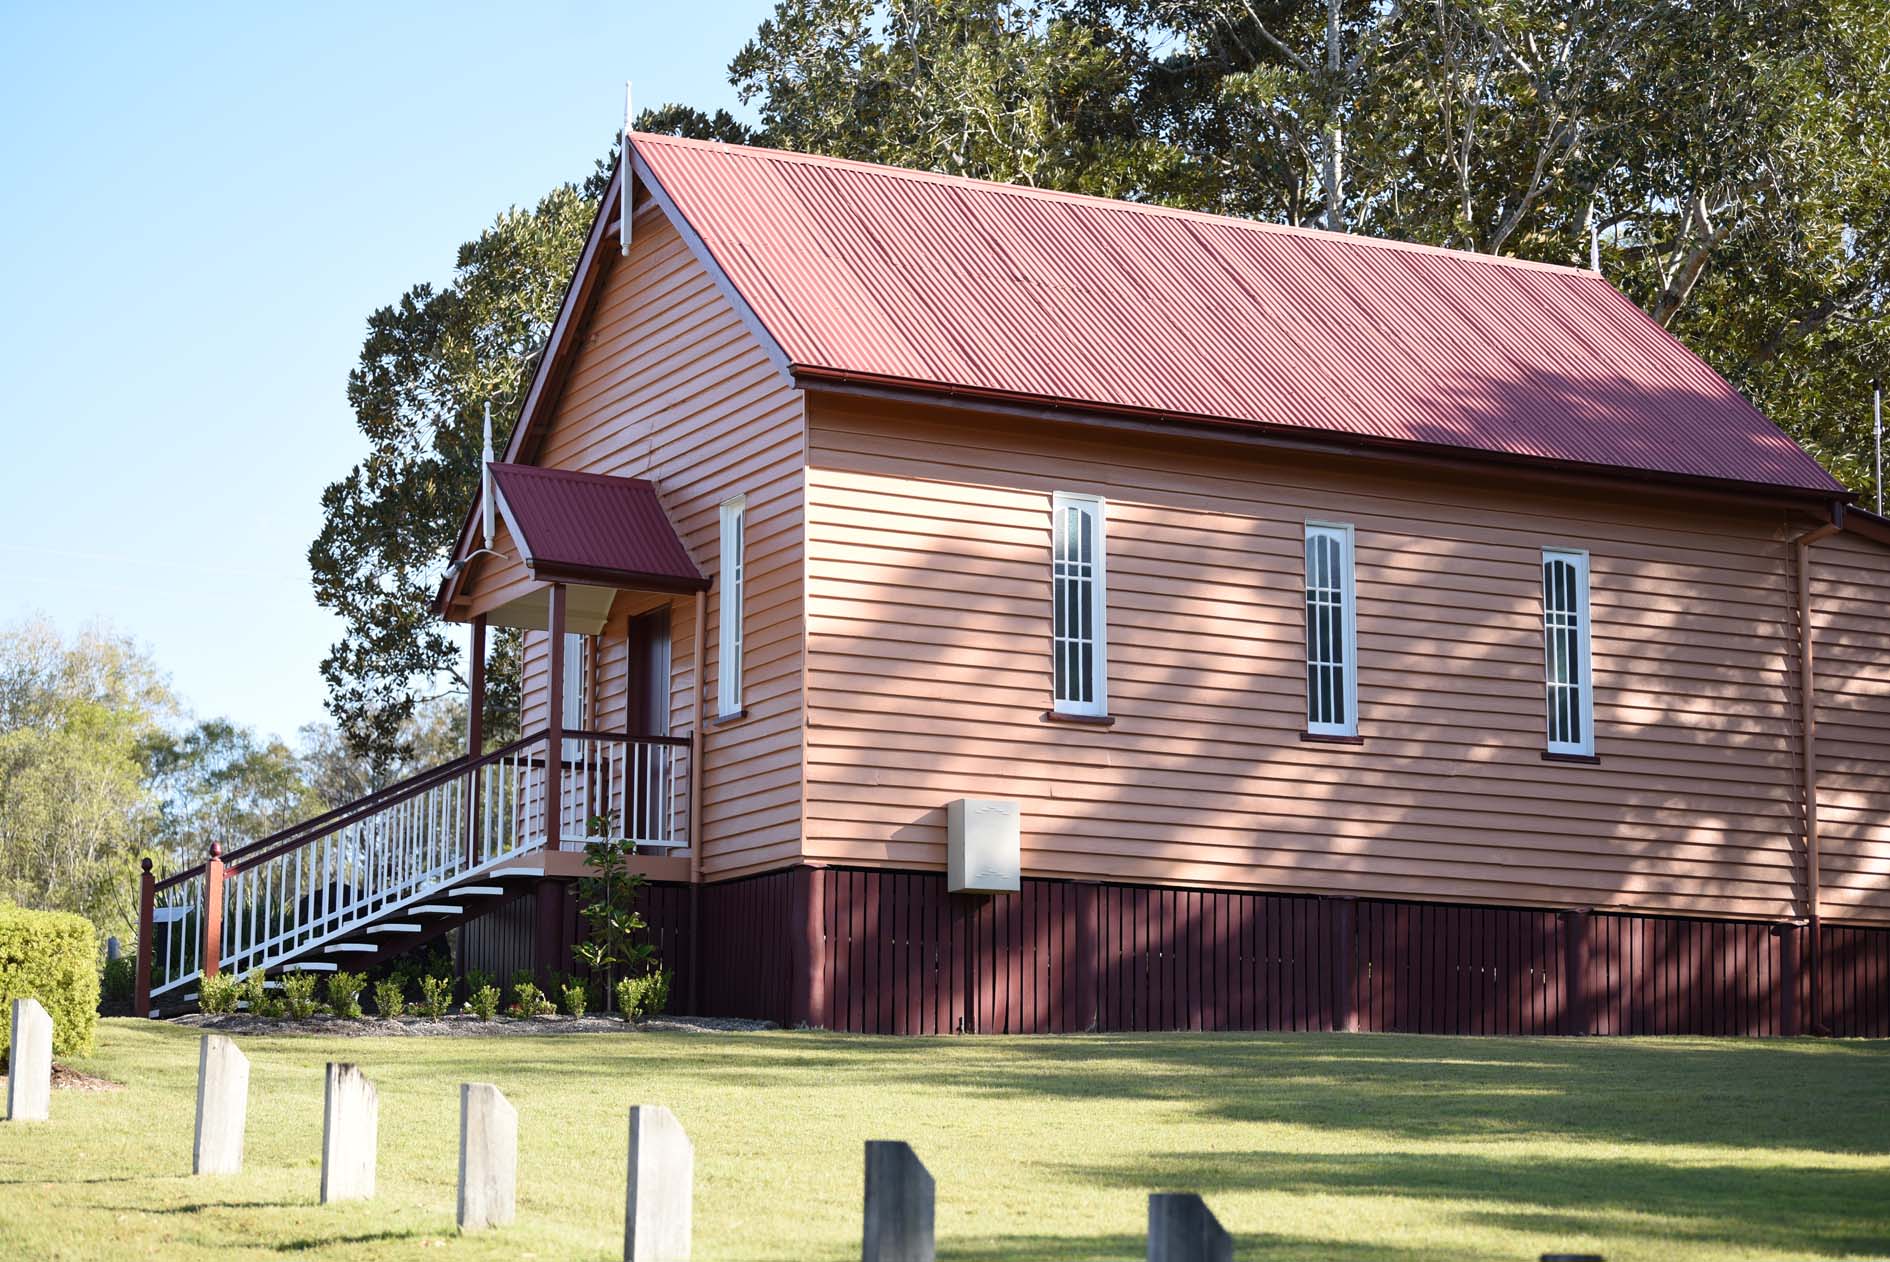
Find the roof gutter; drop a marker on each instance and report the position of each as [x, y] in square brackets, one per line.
[811, 377]
[1808, 749]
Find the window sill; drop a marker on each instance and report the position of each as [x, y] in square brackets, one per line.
[1091, 720]
[1592, 760]
[723, 720]
[1327, 738]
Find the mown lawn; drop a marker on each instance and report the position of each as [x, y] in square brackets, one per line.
[1322, 1146]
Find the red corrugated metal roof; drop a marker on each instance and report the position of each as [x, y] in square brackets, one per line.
[586, 527]
[943, 283]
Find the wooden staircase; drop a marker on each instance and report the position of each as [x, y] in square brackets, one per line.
[399, 868]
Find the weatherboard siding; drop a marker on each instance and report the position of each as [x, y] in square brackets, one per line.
[669, 385]
[1850, 583]
[928, 672]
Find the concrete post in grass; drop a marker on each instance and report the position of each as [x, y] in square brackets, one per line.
[488, 1157]
[659, 1201]
[899, 1201]
[351, 1119]
[222, 1106]
[1181, 1228]
[29, 1063]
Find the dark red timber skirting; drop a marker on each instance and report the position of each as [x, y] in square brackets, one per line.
[892, 953]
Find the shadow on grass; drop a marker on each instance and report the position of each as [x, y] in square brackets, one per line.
[1784, 1208]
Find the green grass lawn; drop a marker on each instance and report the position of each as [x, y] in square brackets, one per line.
[1307, 1146]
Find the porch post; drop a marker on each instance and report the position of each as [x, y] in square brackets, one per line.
[554, 722]
[476, 685]
[475, 732]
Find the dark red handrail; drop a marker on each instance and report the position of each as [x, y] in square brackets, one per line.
[296, 835]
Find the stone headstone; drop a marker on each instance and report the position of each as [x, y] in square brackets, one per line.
[899, 1196]
[657, 1208]
[351, 1116]
[1181, 1228]
[112, 950]
[29, 1063]
[488, 1157]
[222, 1106]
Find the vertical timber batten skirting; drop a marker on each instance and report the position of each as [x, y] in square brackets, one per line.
[884, 952]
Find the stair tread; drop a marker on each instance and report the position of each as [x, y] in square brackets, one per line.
[473, 891]
[403, 928]
[434, 909]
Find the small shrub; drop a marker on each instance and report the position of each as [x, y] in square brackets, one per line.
[389, 1000]
[298, 996]
[643, 996]
[119, 979]
[344, 994]
[527, 999]
[217, 996]
[478, 979]
[51, 956]
[574, 995]
[484, 1003]
[436, 997]
[256, 996]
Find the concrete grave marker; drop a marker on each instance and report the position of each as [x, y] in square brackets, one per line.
[1181, 1228]
[29, 1063]
[488, 1157]
[658, 1204]
[899, 1200]
[351, 1117]
[222, 1107]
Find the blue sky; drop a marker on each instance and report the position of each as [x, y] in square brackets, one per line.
[199, 208]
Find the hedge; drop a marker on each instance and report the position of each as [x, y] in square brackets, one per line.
[51, 956]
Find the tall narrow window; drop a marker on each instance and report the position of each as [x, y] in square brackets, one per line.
[1078, 588]
[1331, 632]
[1565, 651]
[728, 679]
[577, 687]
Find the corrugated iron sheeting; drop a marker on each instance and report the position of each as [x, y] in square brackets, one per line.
[942, 282]
[587, 521]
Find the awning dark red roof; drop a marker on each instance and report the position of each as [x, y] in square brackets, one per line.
[590, 528]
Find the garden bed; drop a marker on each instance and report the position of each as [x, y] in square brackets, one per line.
[463, 1025]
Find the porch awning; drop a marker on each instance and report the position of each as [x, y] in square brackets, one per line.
[598, 535]
[590, 528]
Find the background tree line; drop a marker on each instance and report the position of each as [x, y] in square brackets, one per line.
[101, 766]
[1732, 156]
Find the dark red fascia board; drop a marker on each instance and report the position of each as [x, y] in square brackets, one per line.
[627, 580]
[1436, 454]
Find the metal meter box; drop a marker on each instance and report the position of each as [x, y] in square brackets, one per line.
[982, 857]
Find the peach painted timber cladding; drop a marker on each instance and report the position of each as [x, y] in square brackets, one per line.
[928, 671]
[669, 385]
[1850, 584]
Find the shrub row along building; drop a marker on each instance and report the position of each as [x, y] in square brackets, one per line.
[1298, 631]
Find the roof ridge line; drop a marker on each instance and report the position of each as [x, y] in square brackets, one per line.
[763, 153]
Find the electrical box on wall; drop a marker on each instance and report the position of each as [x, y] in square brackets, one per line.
[983, 857]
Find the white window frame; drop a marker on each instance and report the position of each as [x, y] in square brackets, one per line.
[1584, 680]
[1347, 665]
[577, 684]
[1062, 503]
[733, 581]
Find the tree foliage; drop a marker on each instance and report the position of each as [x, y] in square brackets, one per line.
[1731, 156]
[77, 720]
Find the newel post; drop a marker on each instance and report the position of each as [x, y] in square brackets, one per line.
[213, 910]
[147, 907]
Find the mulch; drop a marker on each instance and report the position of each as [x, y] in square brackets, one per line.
[461, 1025]
[64, 1079]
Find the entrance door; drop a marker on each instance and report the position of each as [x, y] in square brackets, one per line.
[650, 772]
